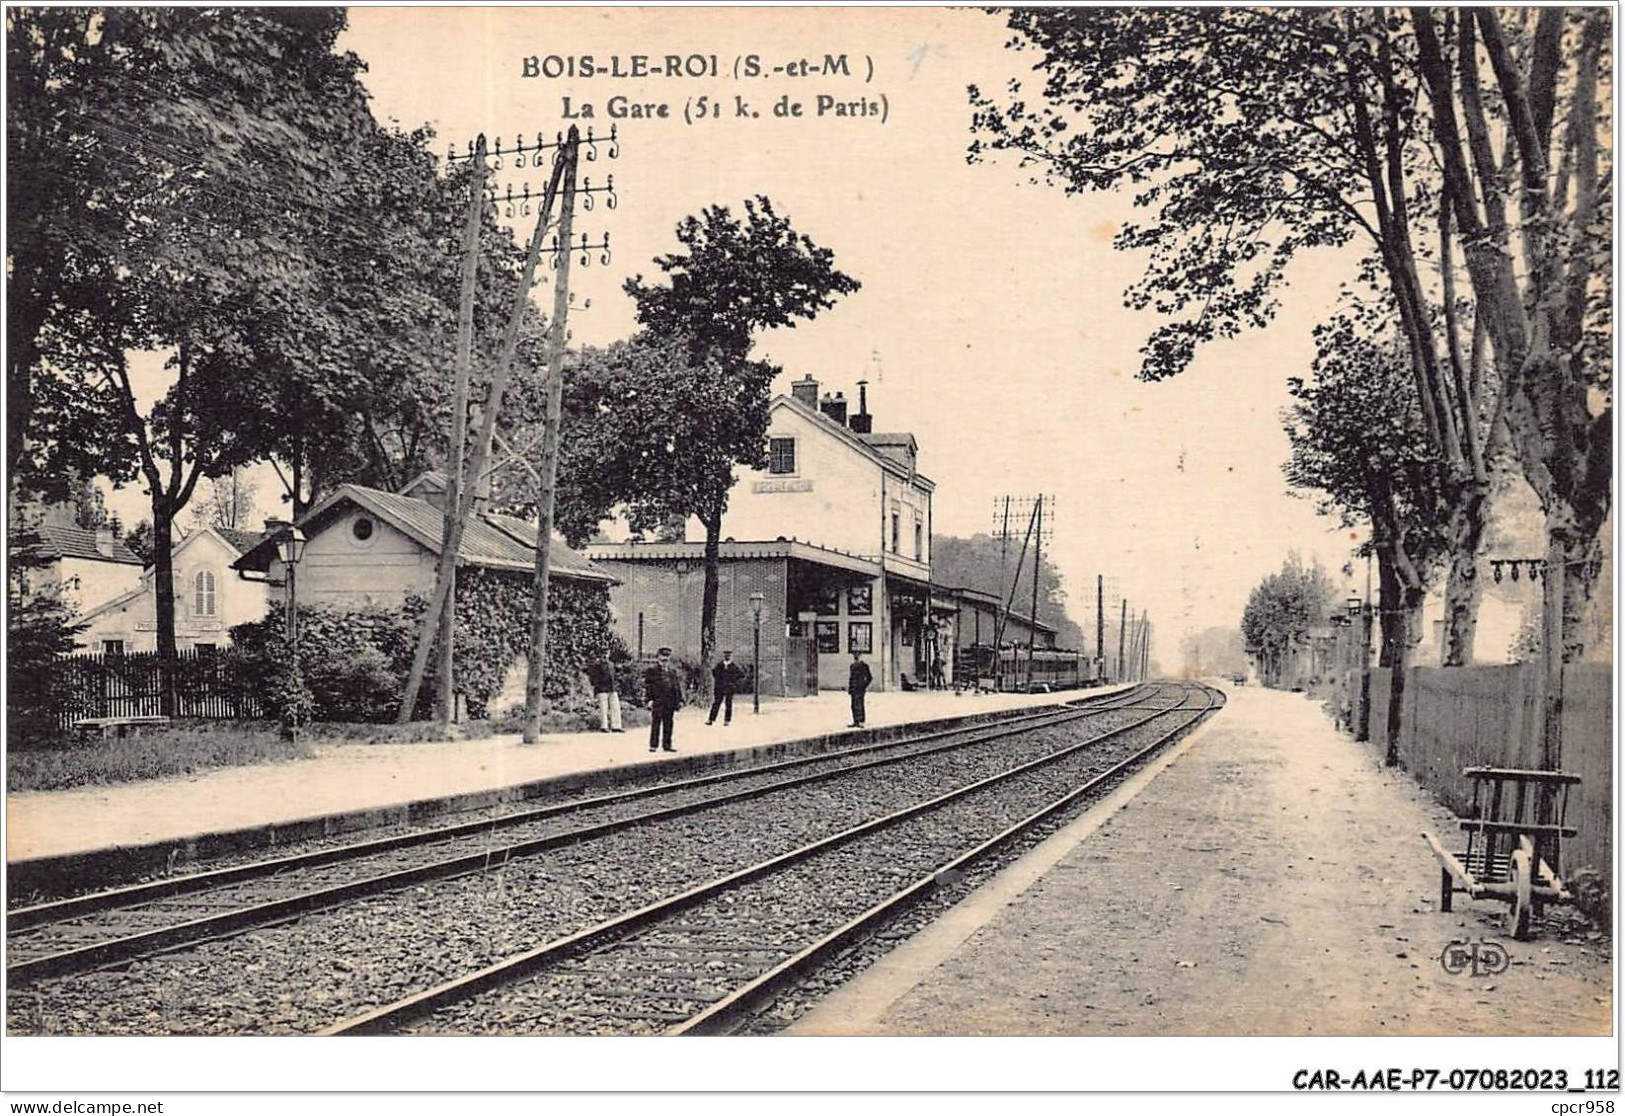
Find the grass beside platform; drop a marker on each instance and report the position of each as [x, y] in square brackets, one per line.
[190, 747]
[150, 753]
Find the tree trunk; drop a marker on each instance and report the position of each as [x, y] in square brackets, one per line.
[163, 582]
[1388, 607]
[708, 602]
[1463, 589]
[1398, 652]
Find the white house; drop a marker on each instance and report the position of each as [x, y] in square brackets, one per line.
[92, 566]
[209, 599]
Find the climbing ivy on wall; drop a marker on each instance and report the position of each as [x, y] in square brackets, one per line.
[355, 661]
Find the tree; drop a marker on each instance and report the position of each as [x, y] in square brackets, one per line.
[139, 540]
[1358, 439]
[40, 630]
[973, 563]
[733, 279]
[230, 503]
[1279, 613]
[1255, 134]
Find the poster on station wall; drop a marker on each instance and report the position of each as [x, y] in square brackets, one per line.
[1254, 363]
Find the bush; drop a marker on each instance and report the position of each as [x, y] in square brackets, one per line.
[357, 685]
[1592, 896]
[40, 629]
[629, 682]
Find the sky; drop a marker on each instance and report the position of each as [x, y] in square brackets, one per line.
[991, 321]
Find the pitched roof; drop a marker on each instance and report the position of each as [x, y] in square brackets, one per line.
[243, 541]
[482, 544]
[562, 559]
[76, 542]
[859, 442]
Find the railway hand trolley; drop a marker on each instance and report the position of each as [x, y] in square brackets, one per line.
[1513, 837]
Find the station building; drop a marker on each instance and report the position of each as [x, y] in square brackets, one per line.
[835, 533]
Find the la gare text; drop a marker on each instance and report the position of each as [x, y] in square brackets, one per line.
[621, 107]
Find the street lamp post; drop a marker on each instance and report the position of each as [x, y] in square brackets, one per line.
[290, 547]
[756, 600]
[1362, 718]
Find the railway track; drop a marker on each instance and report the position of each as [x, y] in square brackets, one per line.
[705, 960]
[114, 927]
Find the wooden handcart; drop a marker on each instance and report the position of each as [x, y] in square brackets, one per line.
[1514, 834]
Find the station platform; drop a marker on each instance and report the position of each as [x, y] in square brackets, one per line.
[355, 786]
[1265, 877]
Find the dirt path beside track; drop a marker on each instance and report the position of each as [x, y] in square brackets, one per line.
[1272, 881]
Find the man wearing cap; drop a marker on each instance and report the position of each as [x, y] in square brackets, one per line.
[727, 680]
[664, 687]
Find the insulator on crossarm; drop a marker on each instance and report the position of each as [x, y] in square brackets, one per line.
[609, 186]
[614, 144]
[592, 146]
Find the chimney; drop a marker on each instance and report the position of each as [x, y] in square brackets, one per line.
[104, 541]
[834, 407]
[863, 422]
[805, 390]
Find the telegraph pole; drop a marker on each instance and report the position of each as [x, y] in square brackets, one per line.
[1122, 631]
[1010, 600]
[1100, 624]
[536, 666]
[1145, 645]
[456, 514]
[1038, 547]
[998, 617]
[450, 535]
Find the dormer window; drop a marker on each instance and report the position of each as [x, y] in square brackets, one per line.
[781, 456]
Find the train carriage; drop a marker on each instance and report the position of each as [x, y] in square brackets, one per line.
[1009, 669]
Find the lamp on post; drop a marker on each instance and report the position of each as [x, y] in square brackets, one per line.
[756, 600]
[290, 547]
[1358, 607]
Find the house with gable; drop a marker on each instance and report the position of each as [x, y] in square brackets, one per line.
[368, 546]
[835, 533]
[209, 599]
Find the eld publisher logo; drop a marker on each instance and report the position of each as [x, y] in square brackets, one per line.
[1477, 958]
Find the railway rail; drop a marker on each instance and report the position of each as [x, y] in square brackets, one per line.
[116, 926]
[705, 960]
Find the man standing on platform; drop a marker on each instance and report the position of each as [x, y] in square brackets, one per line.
[665, 689]
[601, 673]
[727, 680]
[857, 685]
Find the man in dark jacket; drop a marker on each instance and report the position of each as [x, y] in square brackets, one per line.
[664, 687]
[857, 685]
[727, 680]
[601, 673]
